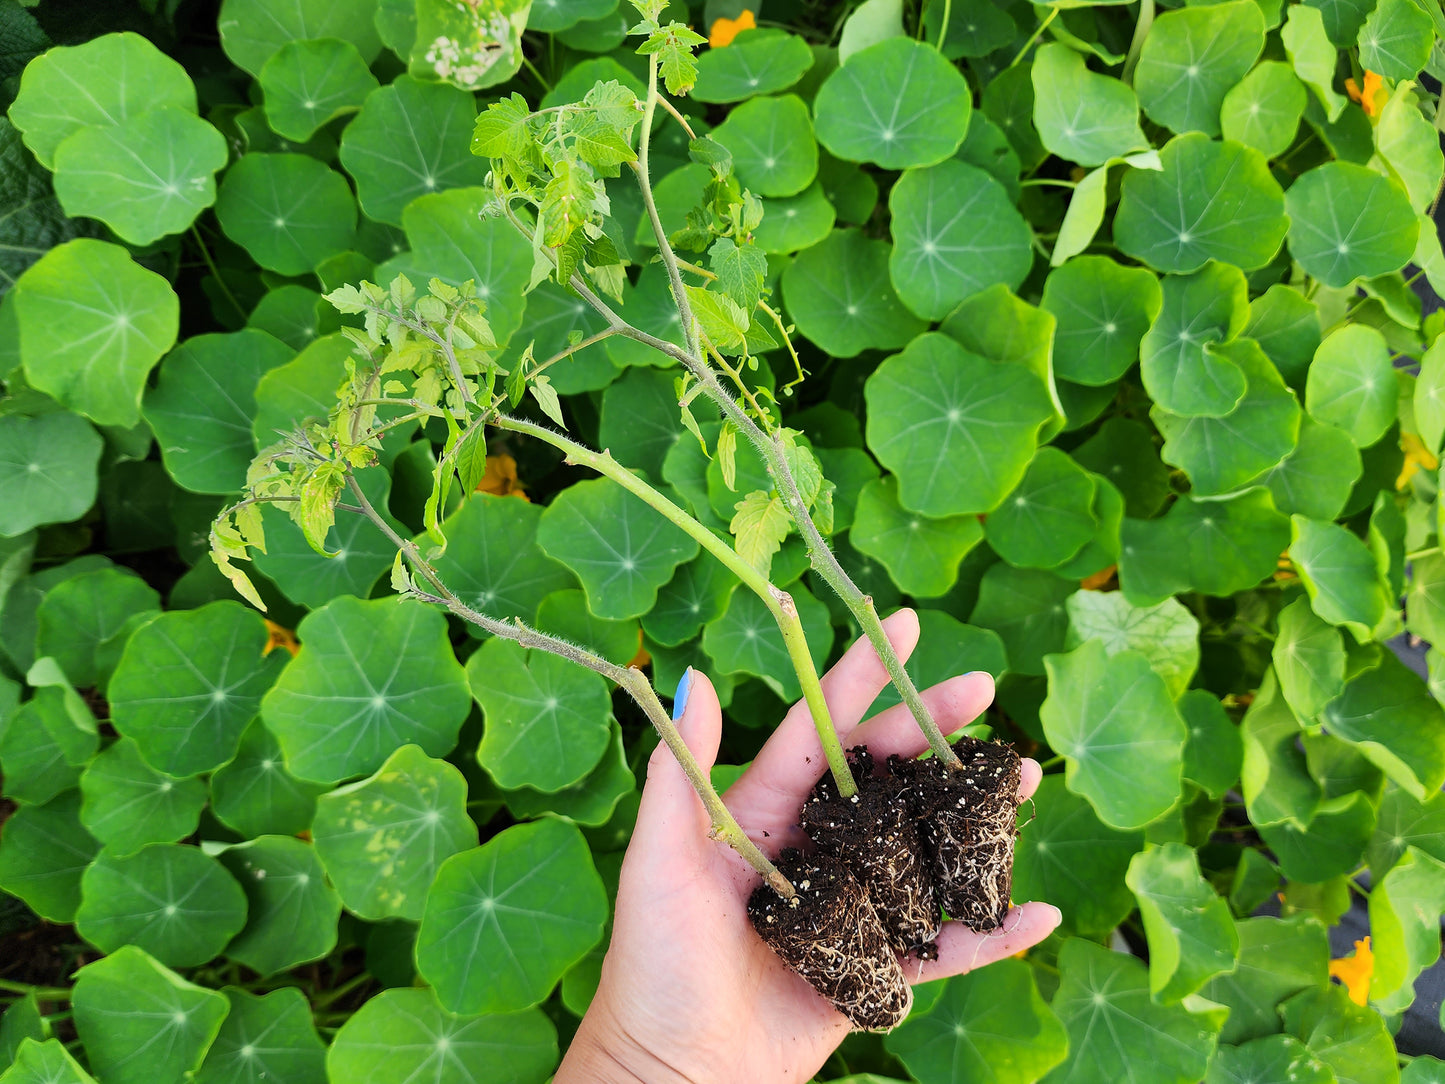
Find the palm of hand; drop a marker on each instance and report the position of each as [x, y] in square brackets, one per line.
[688, 990]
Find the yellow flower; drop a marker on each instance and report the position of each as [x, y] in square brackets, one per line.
[1355, 971]
[276, 636]
[500, 478]
[1416, 456]
[724, 30]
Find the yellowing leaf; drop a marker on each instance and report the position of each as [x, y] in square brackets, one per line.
[759, 527]
[1355, 971]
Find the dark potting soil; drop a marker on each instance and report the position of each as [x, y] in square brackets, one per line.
[831, 935]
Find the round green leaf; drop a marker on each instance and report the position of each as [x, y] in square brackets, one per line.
[174, 902]
[1179, 372]
[838, 292]
[140, 1021]
[1389, 714]
[973, 29]
[1277, 958]
[1103, 311]
[772, 144]
[44, 849]
[127, 803]
[620, 549]
[1404, 919]
[202, 407]
[1112, 718]
[47, 470]
[745, 639]
[255, 795]
[1178, 218]
[757, 62]
[93, 323]
[44, 1062]
[1396, 39]
[1048, 516]
[371, 676]
[550, 16]
[565, 614]
[797, 222]
[291, 911]
[381, 839]
[1263, 109]
[990, 1026]
[921, 554]
[492, 561]
[1025, 607]
[253, 30]
[123, 75]
[896, 104]
[1352, 384]
[1350, 1039]
[1214, 754]
[1123, 453]
[45, 743]
[289, 211]
[1192, 57]
[697, 593]
[146, 177]
[1404, 822]
[265, 1038]
[295, 315]
[1309, 659]
[1407, 143]
[640, 421]
[1348, 222]
[946, 648]
[553, 314]
[189, 683]
[410, 138]
[1166, 634]
[591, 800]
[309, 83]
[1190, 931]
[1316, 478]
[1341, 575]
[1223, 454]
[305, 387]
[84, 622]
[1082, 117]
[955, 234]
[505, 921]
[406, 1035]
[957, 430]
[1274, 1057]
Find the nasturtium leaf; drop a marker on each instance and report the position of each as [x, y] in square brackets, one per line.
[745, 639]
[1273, 1057]
[1080, 116]
[1102, 549]
[1396, 39]
[503, 922]
[547, 719]
[493, 563]
[1407, 143]
[93, 323]
[1389, 713]
[289, 211]
[476, 45]
[955, 233]
[757, 62]
[45, 743]
[202, 407]
[123, 75]
[1316, 478]
[620, 549]
[772, 144]
[1425, 602]
[1403, 822]
[1404, 921]
[22, 601]
[959, 431]
[921, 554]
[47, 470]
[406, 1035]
[146, 177]
[565, 614]
[1166, 634]
[1191, 934]
[640, 420]
[797, 222]
[1102, 311]
[371, 675]
[265, 1038]
[974, 29]
[1312, 55]
[305, 387]
[1351, 1039]
[84, 622]
[1122, 451]
[1277, 958]
[1112, 718]
[1263, 109]
[253, 30]
[1214, 752]
[44, 849]
[896, 104]
[410, 138]
[1070, 858]
[295, 315]
[553, 315]
[38, 1061]
[1345, 584]
[310, 83]
[1048, 517]
[848, 187]
[1192, 57]
[946, 648]
[1330, 845]
[1275, 779]
[255, 795]
[1352, 385]
[21, 1021]
[382, 838]
[989, 1025]
[1309, 659]
[697, 593]
[291, 910]
[188, 684]
[988, 148]
[1025, 606]
[839, 294]
[1347, 222]
[1114, 1025]
[173, 901]
[1211, 201]
[1008, 101]
[591, 800]
[126, 803]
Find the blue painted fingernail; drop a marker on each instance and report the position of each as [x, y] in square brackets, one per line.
[679, 698]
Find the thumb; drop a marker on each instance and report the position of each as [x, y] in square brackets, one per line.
[669, 802]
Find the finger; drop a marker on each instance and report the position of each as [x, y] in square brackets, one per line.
[961, 949]
[670, 809]
[1030, 776]
[953, 704]
[792, 760]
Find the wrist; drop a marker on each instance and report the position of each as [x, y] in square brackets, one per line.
[605, 1052]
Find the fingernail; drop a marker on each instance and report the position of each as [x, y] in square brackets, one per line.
[679, 698]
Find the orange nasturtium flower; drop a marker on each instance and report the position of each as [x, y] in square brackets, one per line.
[500, 478]
[1355, 971]
[724, 30]
[277, 636]
[1416, 456]
[1372, 96]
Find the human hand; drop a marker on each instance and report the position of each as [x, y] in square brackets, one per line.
[688, 990]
